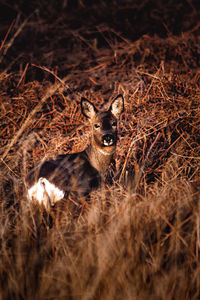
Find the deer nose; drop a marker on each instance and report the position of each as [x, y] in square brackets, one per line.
[108, 140]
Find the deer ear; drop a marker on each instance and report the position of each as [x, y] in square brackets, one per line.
[88, 108]
[117, 106]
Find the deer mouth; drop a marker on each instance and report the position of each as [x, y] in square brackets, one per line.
[108, 140]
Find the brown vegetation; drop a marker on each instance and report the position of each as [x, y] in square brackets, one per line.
[138, 238]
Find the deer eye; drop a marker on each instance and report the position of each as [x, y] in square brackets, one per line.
[96, 126]
[114, 124]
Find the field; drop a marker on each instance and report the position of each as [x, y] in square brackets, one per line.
[139, 235]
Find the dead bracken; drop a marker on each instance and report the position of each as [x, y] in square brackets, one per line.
[137, 237]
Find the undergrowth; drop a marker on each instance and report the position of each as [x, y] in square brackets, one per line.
[138, 238]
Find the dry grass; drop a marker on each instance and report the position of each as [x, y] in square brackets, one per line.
[136, 239]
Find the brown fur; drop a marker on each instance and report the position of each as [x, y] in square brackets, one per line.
[79, 172]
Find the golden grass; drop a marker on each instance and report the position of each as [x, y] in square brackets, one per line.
[138, 238]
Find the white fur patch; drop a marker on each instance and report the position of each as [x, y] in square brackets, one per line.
[110, 143]
[45, 192]
[105, 153]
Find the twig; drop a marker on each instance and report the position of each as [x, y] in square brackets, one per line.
[23, 75]
[51, 72]
[9, 29]
[10, 43]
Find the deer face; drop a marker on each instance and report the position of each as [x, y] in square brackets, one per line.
[104, 123]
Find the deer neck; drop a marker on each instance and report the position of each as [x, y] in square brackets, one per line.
[99, 158]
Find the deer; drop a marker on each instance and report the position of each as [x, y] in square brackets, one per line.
[81, 172]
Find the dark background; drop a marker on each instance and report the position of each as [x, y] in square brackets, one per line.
[54, 29]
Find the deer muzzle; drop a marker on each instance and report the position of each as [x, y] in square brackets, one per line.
[108, 140]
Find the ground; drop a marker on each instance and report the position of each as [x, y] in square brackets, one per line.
[137, 238]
